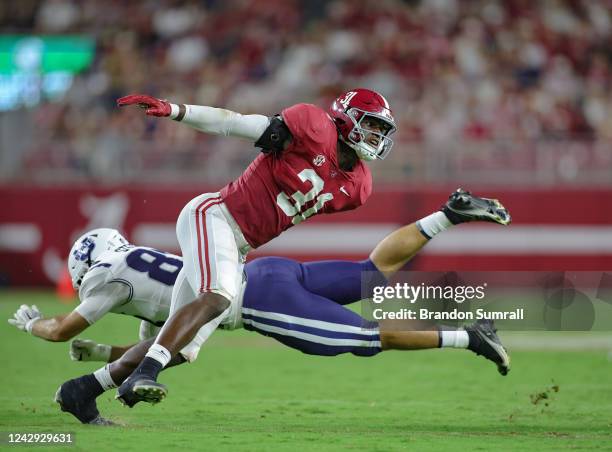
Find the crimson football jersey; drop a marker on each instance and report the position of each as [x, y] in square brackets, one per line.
[278, 191]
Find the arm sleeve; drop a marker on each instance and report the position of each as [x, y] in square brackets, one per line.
[218, 121]
[98, 297]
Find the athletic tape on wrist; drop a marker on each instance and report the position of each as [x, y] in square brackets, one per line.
[30, 324]
[181, 112]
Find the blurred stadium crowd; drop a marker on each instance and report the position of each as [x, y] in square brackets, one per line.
[503, 91]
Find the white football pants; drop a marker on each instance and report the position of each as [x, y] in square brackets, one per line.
[214, 251]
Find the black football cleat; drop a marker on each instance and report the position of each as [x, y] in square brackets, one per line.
[484, 341]
[141, 389]
[462, 207]
[73, 398]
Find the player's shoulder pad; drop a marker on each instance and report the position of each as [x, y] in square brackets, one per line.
[100, 272]
[309, 122]
[94, 280]
[275, 138]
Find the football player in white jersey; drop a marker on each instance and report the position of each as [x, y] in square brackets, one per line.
[110, 275]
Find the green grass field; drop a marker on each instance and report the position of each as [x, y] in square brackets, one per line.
[246, 392]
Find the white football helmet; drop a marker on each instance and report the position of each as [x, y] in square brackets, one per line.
[88, 247]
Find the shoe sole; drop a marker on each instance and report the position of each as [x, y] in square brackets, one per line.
[485, 216]
[150, 393]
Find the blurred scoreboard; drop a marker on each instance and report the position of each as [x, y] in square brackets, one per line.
[36, 68]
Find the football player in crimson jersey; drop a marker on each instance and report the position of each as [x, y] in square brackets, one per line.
[312, 162]
[299, 305]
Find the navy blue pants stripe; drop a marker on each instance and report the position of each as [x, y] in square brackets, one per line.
[314, 348]
[311, 330]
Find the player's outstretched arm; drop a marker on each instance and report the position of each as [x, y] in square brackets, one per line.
[215, 121]
[55, 329]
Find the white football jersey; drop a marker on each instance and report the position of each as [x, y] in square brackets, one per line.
[132, 280]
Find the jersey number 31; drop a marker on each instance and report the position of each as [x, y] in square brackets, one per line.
[295, 210]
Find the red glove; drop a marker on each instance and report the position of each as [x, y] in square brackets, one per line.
[153, 106]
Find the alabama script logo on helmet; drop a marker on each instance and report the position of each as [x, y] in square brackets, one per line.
[352, 110]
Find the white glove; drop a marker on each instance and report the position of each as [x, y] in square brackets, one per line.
[87, 350]
[25, 317]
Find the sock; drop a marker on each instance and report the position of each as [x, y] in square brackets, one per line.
[149, 367]
[454, 338]
[154, 361]
[433, 224]
[104, 378]
[160, 354]
[91, 384]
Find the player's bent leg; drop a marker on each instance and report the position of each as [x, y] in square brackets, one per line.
[207, 311]
[212, 266]
[184, 324]
[277, 305]
[344, 282]
[182, 295]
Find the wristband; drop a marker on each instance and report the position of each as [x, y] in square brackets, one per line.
[30, 324]
[177, 112]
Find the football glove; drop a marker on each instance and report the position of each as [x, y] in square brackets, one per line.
[25, 317]
[87, 350]
[152, 105]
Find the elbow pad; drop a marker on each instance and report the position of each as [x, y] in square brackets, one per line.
[275, 138]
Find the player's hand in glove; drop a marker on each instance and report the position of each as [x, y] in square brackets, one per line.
[87, 350]
[25, 317]
[152, 105]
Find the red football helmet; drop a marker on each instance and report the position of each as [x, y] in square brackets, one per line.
[364, 121]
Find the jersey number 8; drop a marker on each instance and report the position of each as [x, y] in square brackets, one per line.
[159, 266]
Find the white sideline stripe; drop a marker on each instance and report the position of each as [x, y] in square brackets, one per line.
[461, 240]
[359, 238]
[156, 235]
[19, 237]
[553, 340]
[312, 337]
[343, 238]
[320, 324]
[544, 239]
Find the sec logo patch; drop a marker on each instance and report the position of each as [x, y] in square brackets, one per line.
[318, 160]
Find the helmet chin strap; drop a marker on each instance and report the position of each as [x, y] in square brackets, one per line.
[360, 152]
[364, 154]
